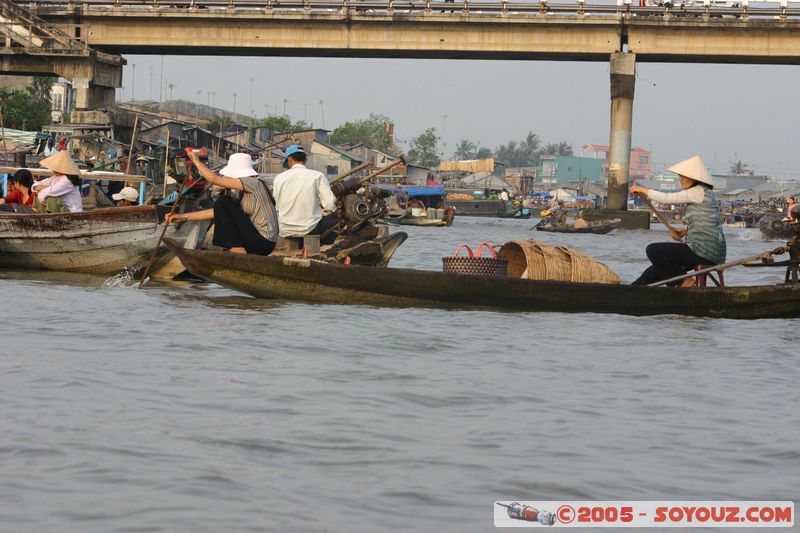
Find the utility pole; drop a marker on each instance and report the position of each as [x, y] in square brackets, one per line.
[322, 108]
[251, 98]
[234, 103]
[151, 83]
[133, 83]
[305, 112]
[208, 98]
[197, 110]
[161, 83]
[285, 101]
[171, 86]
[444, 141]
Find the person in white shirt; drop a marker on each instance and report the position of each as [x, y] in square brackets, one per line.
[504, 195]
[59, 193]
[300, 196]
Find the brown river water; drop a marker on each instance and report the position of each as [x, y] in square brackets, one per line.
[188, 407]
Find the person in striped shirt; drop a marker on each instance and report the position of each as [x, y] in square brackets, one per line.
[245, 220]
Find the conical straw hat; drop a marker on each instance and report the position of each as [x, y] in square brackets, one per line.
[693, 168]
[62, 163]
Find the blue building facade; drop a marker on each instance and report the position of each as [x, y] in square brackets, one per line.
[561, 170]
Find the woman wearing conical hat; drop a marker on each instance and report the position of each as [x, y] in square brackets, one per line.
[60, 193]
[703, 243]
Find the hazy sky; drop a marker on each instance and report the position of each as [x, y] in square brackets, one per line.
[722, 112]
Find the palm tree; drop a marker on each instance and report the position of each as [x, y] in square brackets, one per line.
[531, 146]
[740, 169]
[465, 150]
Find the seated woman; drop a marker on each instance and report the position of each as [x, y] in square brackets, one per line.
[245, 220]
[705, 243]
[60, 193]
[19, 197]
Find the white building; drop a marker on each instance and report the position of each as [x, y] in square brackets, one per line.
[63, 97]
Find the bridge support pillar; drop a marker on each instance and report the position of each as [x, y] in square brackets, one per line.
[623, 79]
[89, 96]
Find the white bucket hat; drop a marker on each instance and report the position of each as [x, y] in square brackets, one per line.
[694, 169]
[239, 166]
[127, 193]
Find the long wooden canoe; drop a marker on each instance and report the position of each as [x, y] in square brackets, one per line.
[302, 279]
[101, 241]
[600, 227]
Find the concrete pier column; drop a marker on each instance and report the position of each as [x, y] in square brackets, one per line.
[623, 80]
[90, 96]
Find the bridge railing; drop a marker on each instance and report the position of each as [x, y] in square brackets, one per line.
[459, 8]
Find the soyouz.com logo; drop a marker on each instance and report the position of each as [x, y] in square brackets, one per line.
[748, 514]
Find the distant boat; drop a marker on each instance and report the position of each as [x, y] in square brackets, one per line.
[773, 228]
[600, 227]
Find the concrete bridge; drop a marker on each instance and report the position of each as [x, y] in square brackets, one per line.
[752, 33]
[702, 31]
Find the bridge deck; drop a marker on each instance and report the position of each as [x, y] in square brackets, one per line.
[463, 30]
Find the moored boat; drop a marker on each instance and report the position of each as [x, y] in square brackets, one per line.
[101, 241]
[308, 280]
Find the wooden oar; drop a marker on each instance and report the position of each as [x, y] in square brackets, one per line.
[764, 256]
[163, 232]
[658, 213]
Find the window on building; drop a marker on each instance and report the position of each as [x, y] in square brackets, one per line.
[57, 102]
[332, 170]
[642, 159]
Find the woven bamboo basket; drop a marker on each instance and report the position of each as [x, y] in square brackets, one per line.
[532, 259]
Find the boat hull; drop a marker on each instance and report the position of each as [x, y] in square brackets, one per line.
[775, 229]
[599, 227]
[102, 241]
[300, 279]
[482, 208]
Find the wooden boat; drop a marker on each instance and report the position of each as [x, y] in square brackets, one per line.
[484, 208]
[773, 228]
[600, 227]
[308, 280]
[424, 221]
[102, 241]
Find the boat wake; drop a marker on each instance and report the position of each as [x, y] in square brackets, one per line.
[125, 280]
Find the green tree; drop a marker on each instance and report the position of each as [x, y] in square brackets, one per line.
[371, 131]
[423, 149]
[531, 148]
[280, 123]
[219, 123]
[740, 169]
[560, 148]
[29, 109]
[483, 153]
[513, 154]
[465, 150]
